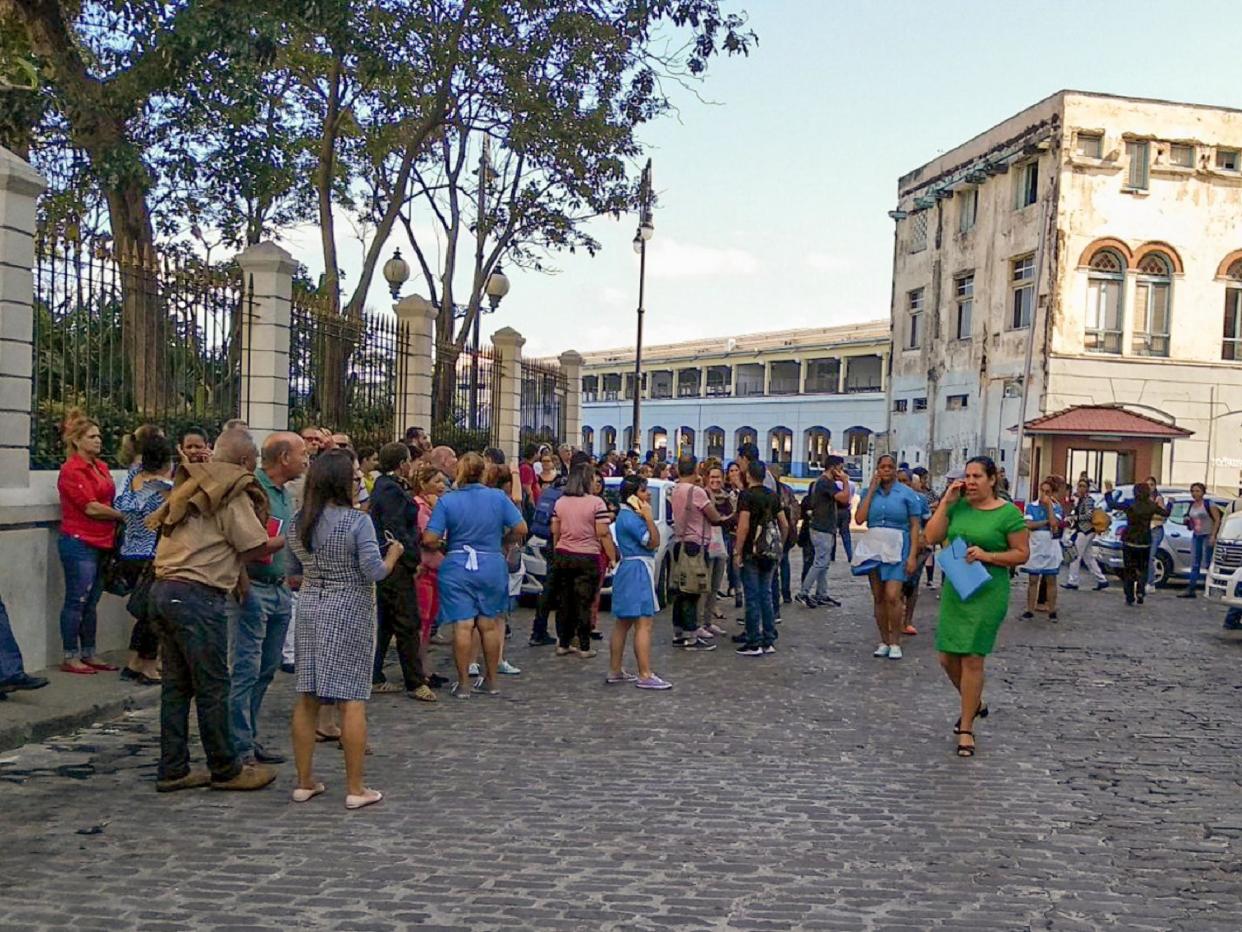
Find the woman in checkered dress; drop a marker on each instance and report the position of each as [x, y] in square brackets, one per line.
[335, 640]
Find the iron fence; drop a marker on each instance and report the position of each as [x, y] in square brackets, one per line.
[344, 371]
[544, 404]
[463, 403]
[132, 339]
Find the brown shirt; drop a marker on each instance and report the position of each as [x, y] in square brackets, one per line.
[206, 549]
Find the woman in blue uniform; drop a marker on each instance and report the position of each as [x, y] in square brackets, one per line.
[893, 514]
[474, 521]
[633, 585]
[1043, 520]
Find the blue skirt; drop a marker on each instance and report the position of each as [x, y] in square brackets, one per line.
[466, 595]
[631, 591]
[889, 572]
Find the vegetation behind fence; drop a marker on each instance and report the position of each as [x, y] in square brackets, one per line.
[463, 408]
[544, 403]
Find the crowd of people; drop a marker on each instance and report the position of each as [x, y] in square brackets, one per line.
[305, 554]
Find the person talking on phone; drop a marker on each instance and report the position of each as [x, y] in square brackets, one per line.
[972, 510]
[634, 602]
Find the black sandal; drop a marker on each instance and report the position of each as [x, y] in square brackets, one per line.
[966, 750]
[981, 712]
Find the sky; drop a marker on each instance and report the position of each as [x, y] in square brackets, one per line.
[773, 195]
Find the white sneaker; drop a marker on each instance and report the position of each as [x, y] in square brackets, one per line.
[894, 652]
[703, 634]
[881, 651]
[507, 669]
[474, 670]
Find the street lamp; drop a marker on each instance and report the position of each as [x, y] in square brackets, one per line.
[646, 229]
[396, 273]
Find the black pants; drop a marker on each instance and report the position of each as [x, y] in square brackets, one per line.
[397, 616]
[144, 639]
[194, 633]
[686, 613]
[576, 582]
[547, 597]
[808, 560]
[1134, 565]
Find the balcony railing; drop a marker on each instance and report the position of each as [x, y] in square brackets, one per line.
[687, 391]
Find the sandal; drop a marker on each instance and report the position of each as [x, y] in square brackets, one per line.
[966, 750]
[387, 688]
[302, 795]
[981, 712]
[369, 797]
[324, 738]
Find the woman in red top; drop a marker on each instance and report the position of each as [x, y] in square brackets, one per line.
[87, 531]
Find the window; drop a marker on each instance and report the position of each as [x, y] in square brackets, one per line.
[918, 231]
[1139, 154]
[1231, 347]
[1227, 159]
[1182, 156]
[920, 404]
[1151, 306]
[914, 307]
[967, 209]
[957, 402]
[1022, 282]
[1105, 288]
[1091, 145]
[899, 405]
[588, 440]
[1028, 185]
[964, 286]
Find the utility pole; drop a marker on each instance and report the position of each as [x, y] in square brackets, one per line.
[645, 230]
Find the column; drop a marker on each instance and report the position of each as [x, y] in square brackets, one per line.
[267, 275]
[767, 379]
[507, 405]
[416, 320]
[841, 370]
[571, 367]
[20, 185]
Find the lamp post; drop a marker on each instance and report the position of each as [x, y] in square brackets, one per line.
[646, 229]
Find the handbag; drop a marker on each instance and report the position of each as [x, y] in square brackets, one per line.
[112, 571]
[139, 602]
[689, 571]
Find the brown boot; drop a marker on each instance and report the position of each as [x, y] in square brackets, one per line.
[252, 777]
[191, 781]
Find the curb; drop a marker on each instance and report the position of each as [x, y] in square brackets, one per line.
[15, 736]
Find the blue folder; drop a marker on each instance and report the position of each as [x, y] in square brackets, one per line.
[967, 578]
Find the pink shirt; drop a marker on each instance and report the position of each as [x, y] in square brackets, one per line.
[576, 516]
[689, 522]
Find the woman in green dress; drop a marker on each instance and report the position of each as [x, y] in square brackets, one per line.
[998, 538]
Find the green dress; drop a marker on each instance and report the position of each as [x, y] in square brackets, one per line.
[970, 627]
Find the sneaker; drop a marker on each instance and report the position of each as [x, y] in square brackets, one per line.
[597, 635]
[191, 781]
[1028, 615]
[680, 641]
[704, 634]
[717, 631]
[823, 600]
[587, 654]
[698, 645]
[770, 649]
[749, 650]
[480, 687]
[613, 679]
[1069, 585]
[881, 651]
[652, 682]
[930, 584]
[457, 691]
[564, 651]
[474, 670]
[507, 669]
[25, 681]
[543, 640]
[1052, 616]
[1236, 626]
[1099, 586]
[804, 600]
[252, 777]
[894, 652]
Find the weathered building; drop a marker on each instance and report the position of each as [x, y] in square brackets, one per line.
[1104, 234]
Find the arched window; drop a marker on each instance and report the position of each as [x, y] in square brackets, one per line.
[744, 435]
[1231, 346]
[857, 440]
[716, 442]
[659, 439]
[685, 441]
[1153, 305]
[629, 439]
[608, 439]
[1105, 290]
[588, 439]
[780, 446]
[818, 445]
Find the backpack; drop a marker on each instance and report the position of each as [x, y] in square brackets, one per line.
[541, 524]
[770, 542]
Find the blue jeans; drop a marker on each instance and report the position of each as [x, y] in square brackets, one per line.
[760, 612]
[843, 533]
[10, 654]
[1201, 556]
[83, 587]
[816, 582]
[1157, 535]
[258, 637]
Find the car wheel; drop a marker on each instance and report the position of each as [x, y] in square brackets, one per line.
[1164, 570]
[662, 586]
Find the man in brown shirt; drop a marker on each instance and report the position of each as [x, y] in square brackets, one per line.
[213, 522]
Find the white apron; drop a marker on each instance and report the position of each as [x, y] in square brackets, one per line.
[1045, 559]
[879, 545]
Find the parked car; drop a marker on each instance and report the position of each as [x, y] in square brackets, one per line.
[1224, 578]
[535, 553]
[1174, 557]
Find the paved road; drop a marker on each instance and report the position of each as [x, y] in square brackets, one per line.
[815, 789]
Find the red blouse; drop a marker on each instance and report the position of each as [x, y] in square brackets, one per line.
[79, 484]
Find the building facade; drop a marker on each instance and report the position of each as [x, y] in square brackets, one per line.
[1103, 236]
[798, 394]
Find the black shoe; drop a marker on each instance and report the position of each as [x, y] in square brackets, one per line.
[749, 650]
[1052, 616]
[786, 599]
[596, 636]
[23, 681]
[264, 756]
[826, 600]
[1232, 627]
[698, 645]
[542, 640]
[739, 639]
[436, 681]
[1028, 614]
[286, 668]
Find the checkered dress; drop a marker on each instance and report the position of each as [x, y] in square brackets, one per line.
[335, 639]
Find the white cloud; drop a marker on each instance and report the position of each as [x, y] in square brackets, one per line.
[826, 262]
[670, 259]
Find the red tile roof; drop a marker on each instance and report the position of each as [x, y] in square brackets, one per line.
[1104, 419]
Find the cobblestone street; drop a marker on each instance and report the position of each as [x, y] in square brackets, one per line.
[813, 789]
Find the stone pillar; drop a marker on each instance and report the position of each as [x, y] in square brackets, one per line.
[416, 318]
[571, 367]
[267, 272]
[507, 405]
[20, 185]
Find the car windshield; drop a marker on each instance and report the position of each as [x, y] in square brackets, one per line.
[1177, 513]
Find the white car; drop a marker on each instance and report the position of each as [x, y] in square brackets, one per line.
[1224, 576]
[535, 556]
